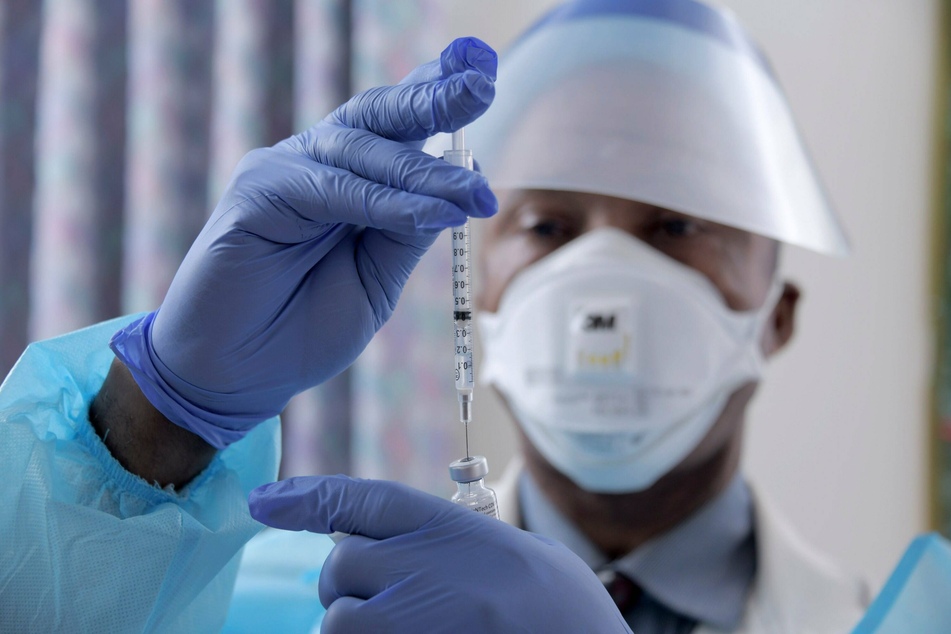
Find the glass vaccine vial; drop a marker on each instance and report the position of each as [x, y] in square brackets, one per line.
[468, 474]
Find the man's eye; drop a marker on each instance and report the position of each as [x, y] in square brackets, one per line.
[546, 229]
[679, 227]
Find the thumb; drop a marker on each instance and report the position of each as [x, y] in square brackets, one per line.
[324, 504]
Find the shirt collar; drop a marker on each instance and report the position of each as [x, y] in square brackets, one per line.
[703, 568]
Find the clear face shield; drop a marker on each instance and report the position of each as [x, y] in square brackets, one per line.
[660, 106]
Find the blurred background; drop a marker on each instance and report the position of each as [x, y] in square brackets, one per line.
[120, 122]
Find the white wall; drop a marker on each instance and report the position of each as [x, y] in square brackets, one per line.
[837, 434]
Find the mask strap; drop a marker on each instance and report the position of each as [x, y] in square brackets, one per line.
[765, 311]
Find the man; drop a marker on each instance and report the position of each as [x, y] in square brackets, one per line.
[646, 181]
[301, 262]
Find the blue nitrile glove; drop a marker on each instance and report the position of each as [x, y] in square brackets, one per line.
[307, 252]
[418, 563]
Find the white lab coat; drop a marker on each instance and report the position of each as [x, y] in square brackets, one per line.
[796, 591]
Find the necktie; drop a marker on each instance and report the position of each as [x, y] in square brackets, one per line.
[625, 592]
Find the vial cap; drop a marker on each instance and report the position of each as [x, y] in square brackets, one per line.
[469, 469]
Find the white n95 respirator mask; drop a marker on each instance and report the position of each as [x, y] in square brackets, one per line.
[616, 359]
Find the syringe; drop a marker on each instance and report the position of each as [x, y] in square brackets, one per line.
[462, 306]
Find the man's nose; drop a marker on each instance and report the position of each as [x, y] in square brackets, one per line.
[627, 218]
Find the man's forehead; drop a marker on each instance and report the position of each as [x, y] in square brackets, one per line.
[511, 200]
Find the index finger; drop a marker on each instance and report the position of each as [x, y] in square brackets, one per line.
[462, 54]
[325, 504]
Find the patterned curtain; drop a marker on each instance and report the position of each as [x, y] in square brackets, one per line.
[120, 123]
[19, 69]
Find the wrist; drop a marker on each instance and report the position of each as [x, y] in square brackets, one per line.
[140, 438]
[218, 418]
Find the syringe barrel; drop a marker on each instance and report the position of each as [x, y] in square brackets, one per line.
[462, 321]
[462, 306]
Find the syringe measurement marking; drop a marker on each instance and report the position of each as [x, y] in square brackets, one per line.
[462, 314]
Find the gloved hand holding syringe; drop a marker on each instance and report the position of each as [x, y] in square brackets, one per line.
[468, 472]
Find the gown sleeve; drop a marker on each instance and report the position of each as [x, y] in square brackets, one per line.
[86, 546]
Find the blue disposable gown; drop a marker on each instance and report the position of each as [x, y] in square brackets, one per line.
[85, 546]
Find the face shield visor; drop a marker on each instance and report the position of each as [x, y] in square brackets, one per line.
[664, 102]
